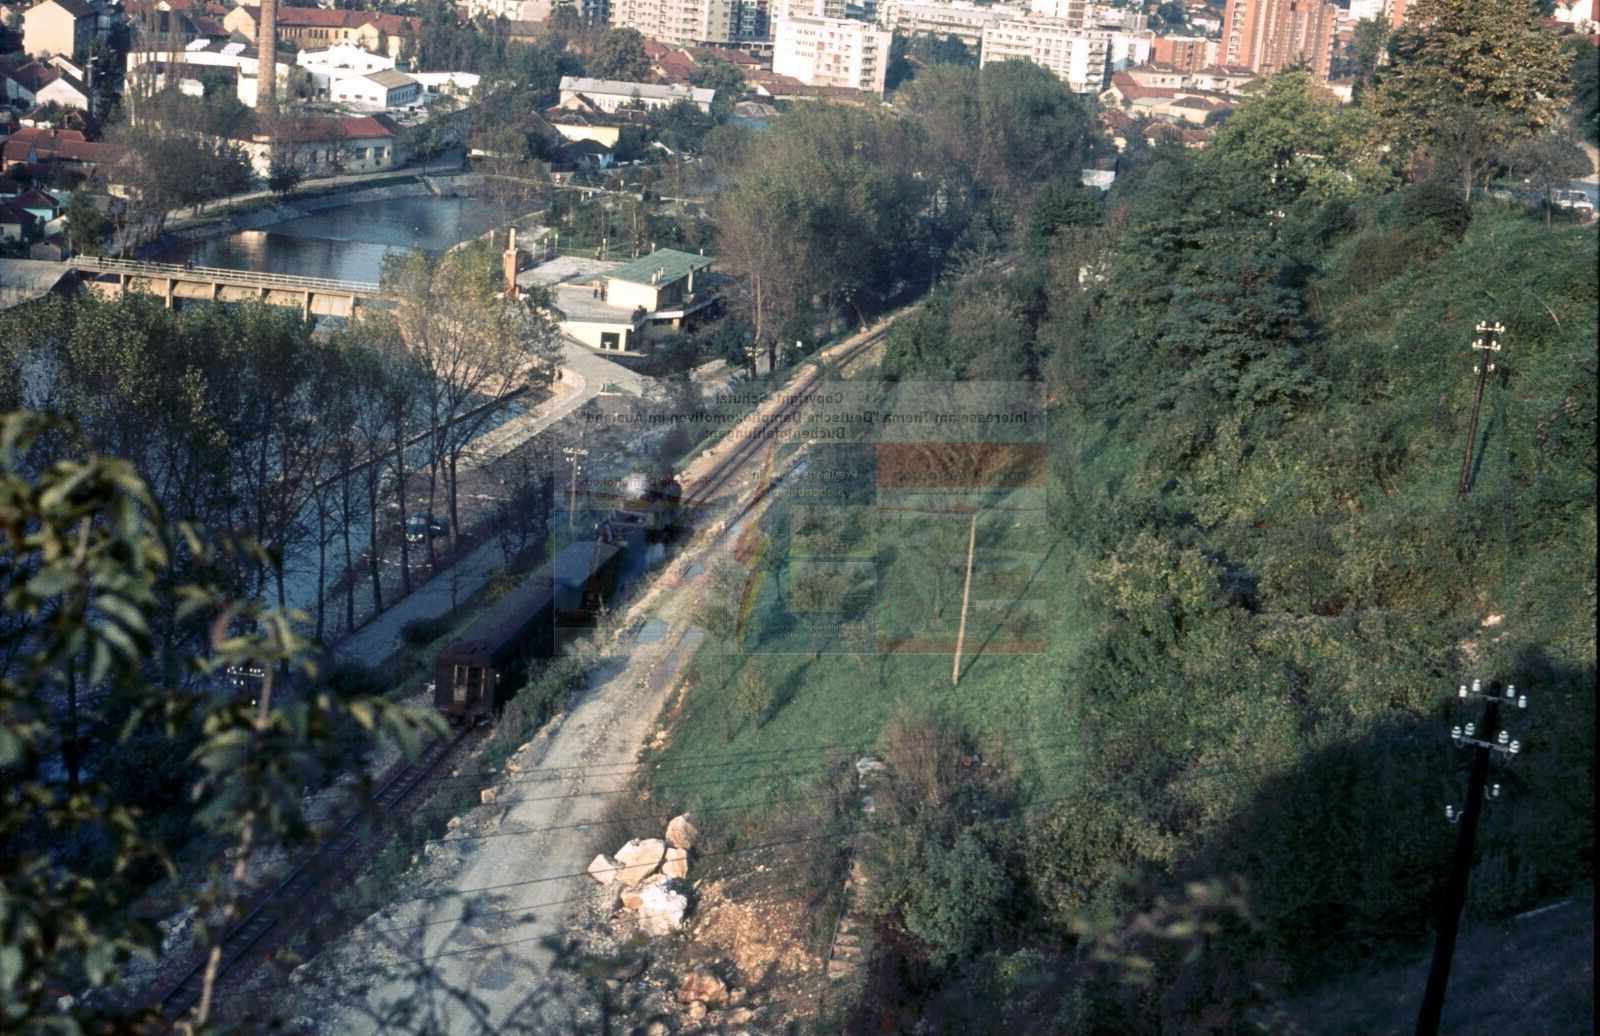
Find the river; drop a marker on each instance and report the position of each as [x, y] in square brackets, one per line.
[347, 242]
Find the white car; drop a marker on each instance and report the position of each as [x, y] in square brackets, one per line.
[1577, 201]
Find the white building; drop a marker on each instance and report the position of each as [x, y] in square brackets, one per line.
[1126, 50]
[832, 52]
[1361, 10]
[447, 84]
[377, 91]
[960, 18]
[340, 61]
[804, 9]
[1078, 58]
[684, 23]
[609, 94]
[511, 10]
[242, 58]
[1579, 14]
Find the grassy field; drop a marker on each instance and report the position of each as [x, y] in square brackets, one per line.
[843, 607]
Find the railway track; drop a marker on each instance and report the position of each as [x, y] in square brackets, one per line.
[748, 444]
[270, 918]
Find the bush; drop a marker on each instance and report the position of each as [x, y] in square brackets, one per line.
[753, 693]
[956, 898]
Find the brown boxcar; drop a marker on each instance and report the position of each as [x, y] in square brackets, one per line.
[475, 675]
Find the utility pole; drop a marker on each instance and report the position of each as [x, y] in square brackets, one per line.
[1485, 741]
[574, 454]
[1487, 342]
[966, 597]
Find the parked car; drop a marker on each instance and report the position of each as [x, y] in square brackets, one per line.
[420, 527]
[1565, 198]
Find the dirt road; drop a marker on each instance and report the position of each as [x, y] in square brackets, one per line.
[469, 947]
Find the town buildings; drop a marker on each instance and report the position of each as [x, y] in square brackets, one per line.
[608, 95]
[1268, 36]
[1077, 58]
[679, 22]
[316, 27]
[221, 53]
[59, 27]
[511, 10]
[960, 18]
[377, 91]
[328, 145]
[618, 307]
[1185, 53]
[832, 52]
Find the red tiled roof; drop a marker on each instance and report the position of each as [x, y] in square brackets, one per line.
[36, 199]
[34, 134]
[654, 49]
[676, 65]
[319, 18]
[732, 57]
[17, 152]
[33, 76]
[11, 213]
[363, 127]
[1132, 89]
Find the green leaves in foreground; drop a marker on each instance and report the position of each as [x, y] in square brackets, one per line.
[84, 552]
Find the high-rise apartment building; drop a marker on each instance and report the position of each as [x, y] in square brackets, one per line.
[832, 52]
[1267, 36]
[1079, 58]
[960, 18]
[683, 23]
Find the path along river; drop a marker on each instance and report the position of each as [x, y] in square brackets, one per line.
[344, 237]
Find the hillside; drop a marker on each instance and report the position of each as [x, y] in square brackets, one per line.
[1257, 590]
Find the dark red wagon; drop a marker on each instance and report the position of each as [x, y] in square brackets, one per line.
[475, 675]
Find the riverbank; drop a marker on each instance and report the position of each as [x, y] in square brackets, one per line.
[262, 210]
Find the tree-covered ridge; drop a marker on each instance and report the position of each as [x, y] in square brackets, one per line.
[1262, 379]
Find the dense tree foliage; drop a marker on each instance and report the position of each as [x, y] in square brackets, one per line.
[1260, 389]
[1471, 78]
[88, 574]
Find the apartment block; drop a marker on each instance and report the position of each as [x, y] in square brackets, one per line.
[684, 23]
[1267, 36]
[805, 9]
[1185, 53]
[1079, 58]
[961, 19]
[832, 52]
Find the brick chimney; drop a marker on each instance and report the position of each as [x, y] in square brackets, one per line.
[267, 67]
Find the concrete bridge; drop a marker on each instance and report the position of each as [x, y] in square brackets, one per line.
[173, 282]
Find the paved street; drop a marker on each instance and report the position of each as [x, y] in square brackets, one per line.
[585, 375]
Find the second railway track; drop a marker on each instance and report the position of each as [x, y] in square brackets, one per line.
[271, 917]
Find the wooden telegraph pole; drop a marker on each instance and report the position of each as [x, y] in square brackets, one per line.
[1487, 342]
[1485, 741]
[966, 595]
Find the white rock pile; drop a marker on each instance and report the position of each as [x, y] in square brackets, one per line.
[648, 875]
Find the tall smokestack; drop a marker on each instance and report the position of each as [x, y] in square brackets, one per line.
[267, 66]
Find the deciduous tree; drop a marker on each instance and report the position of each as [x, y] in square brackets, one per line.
[1471, 79]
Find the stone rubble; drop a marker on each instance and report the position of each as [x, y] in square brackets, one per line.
[639, 859]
